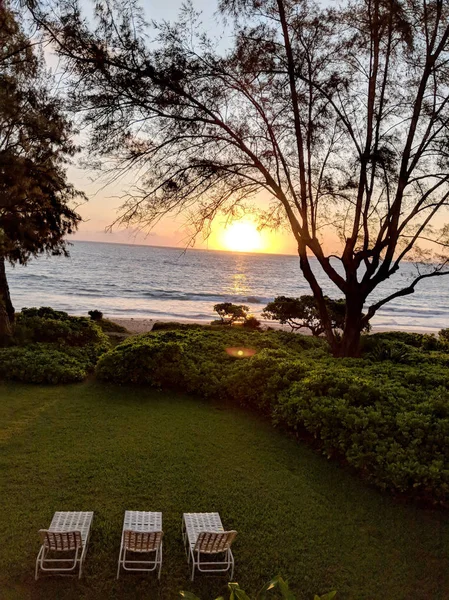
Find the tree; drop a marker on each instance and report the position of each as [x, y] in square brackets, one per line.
[303, 312]
[231, 313]
[35, 144]
[299, 313]
[339, 115]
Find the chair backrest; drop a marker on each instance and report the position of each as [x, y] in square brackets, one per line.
[210, 542]
[142, 541]
[61, 541]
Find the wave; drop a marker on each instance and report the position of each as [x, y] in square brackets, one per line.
[204, 296]
[414, 312]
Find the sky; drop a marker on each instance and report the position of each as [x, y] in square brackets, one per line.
[101, 209]
[104, 201]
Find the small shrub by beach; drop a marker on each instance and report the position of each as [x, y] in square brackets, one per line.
[385, 414]
[110, 326]
[95, 315]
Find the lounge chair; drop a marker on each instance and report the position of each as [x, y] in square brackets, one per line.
[64, 543]
[205, 538]
[142, 534]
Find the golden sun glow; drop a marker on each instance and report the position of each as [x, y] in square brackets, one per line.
[242, 236]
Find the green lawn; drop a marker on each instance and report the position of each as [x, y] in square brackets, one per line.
[107, 449]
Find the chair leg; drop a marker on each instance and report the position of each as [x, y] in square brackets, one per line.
[119, 561]
[36, 572]
[160, 561]
[81, 560]
[193, 568]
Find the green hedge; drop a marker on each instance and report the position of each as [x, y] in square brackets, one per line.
[51, 346]
[40, 363]
[56, 327]
[387, 417]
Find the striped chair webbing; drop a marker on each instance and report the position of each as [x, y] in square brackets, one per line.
[61, 541]
[142, 541]
[209, 542]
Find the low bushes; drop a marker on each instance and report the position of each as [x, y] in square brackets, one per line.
[386, 415]
[110, 327]
[56, 327]
[52, 347]
[40, 363]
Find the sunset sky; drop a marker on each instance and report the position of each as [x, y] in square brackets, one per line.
[103, 203]
[101, 210]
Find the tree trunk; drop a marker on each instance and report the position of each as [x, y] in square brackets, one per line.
[349, 344]
[6, 307]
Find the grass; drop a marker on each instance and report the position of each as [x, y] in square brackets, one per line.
[107, 449]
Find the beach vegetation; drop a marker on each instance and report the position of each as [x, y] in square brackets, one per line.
[51, 346]
[36, 200]
[41, 363]
[95, 315]
[331, 121]
[252, 322]
[385, 414]
[231, 313]
[443, 336]
[303, 313]
[109, 326]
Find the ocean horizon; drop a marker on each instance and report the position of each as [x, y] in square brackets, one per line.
[158, 282]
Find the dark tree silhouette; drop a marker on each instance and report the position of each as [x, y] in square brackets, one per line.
[35, 144]
[339, 116]
[231, 313]
[303, 313]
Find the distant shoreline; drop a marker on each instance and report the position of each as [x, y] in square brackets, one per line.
[183, 249]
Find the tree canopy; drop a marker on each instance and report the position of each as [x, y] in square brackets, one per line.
[231, 313]
[303, 313]
[36, 143]
[333, 120]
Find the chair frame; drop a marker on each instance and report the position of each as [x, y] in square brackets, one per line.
[142, 534]
[203, 535]
[68, 532]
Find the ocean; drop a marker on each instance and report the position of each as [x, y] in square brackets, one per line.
[124, 280]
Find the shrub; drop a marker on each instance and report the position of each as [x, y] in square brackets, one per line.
[170, 325]
[252, 323]
[95, 315]
[397, 352]
[443, 336]
[110, 327]
[423, 341]
[40, 363]
[52, 347]
[50, 326]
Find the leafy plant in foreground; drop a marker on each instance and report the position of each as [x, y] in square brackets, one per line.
[277, 585]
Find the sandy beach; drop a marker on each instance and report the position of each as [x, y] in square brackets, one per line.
[144, 325]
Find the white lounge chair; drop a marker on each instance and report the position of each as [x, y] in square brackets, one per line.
[204, 537]
[64, 543]
[142, 534]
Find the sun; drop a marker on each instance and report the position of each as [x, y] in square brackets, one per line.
[242, 236]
